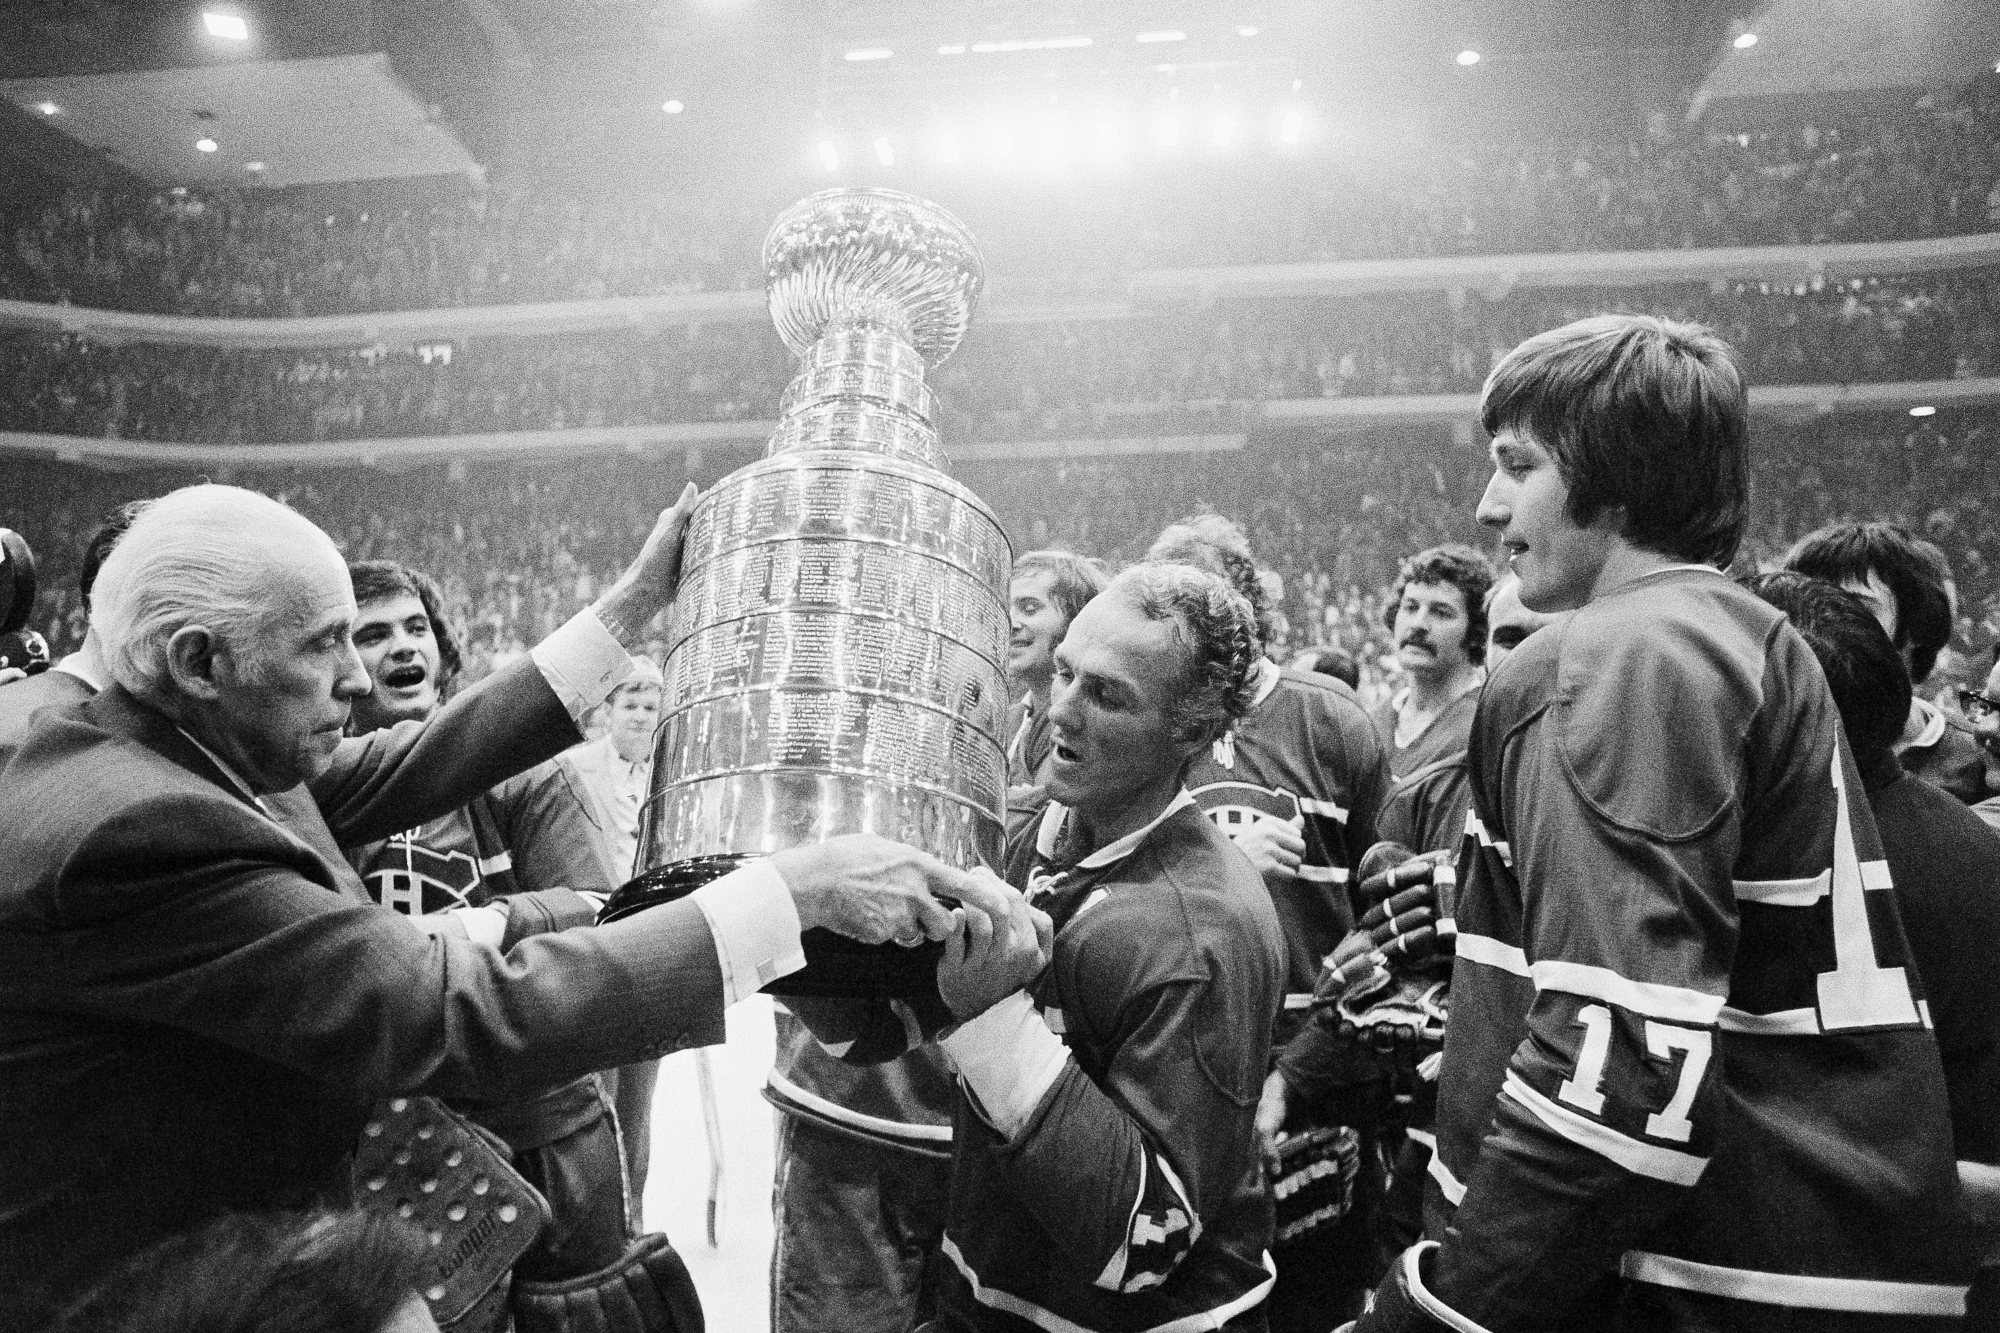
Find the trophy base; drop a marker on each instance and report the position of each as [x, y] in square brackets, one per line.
[836, 967]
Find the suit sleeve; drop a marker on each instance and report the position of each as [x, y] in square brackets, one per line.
[413, 772]
[1121, 1176]
[200, 915]
[1612, 1105]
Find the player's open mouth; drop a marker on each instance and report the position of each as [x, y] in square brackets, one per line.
[403, 677]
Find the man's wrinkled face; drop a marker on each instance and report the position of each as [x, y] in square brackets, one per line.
[1116, 675]
[1508, 622]
[1036, 626]
[396, 642]
[284, 697]
[1431, 628]
[634, 712]
[1557, 560]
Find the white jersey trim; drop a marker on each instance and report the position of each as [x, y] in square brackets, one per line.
[1477, 830]
[1782, 1023]
[1675, 1003]
[1806, 892]
[819, 1105]
[1644, 1159]
[1201, 1322]
[1324, 809]
[1851, 1295]
[1413, 1278]
[1449, 1185]
[1323, 874]
[1485, 949]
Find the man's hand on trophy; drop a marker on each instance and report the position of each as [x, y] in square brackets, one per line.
[1274, 846]
[649, 582]
[991, 957]
[873, 890]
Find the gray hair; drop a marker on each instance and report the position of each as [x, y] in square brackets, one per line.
[201, 555]
[1218, 631]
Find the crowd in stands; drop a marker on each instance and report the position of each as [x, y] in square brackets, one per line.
[1931, 170]
[519, 547]
[1010, 381]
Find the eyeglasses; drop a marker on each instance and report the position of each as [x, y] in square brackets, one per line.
[1976, 706]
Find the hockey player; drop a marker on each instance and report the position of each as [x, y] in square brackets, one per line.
[1105, 1170]
[525, 857]
[1688, 1082]
[1296, 783]
[1438, 616]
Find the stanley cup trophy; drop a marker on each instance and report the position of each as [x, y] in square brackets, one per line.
[835, 656]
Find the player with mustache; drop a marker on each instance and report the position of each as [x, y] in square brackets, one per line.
[1438, 615]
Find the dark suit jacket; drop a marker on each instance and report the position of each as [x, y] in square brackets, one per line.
[197, 1004]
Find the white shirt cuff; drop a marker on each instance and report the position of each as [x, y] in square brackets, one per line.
[1009, 1059]
[483, 925]
[582, 662]
[755, 925]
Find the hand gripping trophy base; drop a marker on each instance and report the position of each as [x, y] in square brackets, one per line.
[836, 967]
[836, 657]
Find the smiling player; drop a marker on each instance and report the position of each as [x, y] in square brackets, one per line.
[1688, 1081]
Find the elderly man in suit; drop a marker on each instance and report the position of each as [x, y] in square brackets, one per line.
[198, 1004]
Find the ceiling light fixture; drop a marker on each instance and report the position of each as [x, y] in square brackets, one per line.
[1925, 411]
[1746, 41]
[954, 50]
[885, 152]
[48, 108]
[254, 168]
[231, 27]
[206, 145]
[870, 53]
[673, 106]
[1246, 32]
[1164, 35]
[1468, 58]
[829, 156]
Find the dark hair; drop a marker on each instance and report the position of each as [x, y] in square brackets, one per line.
[379, 580]
[1644, 414]
[1863, 670]
[1075, 579]
[311, 1272]
[1218, 545]
[1914, 570]
[1454, 566]
[109, 530]
[1219, 632]
[1335, 662]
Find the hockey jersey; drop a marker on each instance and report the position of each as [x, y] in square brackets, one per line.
[1304, 753]
[1133, 1199]
[532, 833]
[1689, 1074]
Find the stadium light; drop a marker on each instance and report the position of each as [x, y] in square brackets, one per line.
[1925, 411]
[48, 108]
[1170, 131]
[1246, 32]
[1108, 138]
[1292, 128]
[1468, 58]
[1225, 130]
[870, 53]
[254, 168]
[1164, 35]
[947, 146]
[230, 27]
[673, 106]
[1746, 41]
[829, 156]
[206, 145]
[885, 152]
[957, 49]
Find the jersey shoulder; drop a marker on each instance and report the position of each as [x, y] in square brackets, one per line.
[1656, 694]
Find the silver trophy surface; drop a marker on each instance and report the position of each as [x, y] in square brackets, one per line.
[836, 653]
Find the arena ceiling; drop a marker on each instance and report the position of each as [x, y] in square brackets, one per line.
[699, 92]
